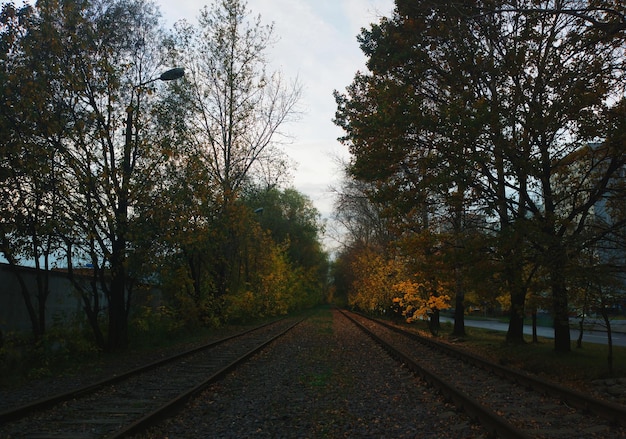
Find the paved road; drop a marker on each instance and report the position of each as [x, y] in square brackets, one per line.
[599, 337]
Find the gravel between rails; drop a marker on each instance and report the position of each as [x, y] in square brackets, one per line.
[324, 379]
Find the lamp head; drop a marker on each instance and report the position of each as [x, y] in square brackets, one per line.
[172, 74]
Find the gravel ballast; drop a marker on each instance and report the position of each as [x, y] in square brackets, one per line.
[324, 379]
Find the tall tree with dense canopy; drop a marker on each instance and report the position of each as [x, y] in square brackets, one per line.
[30, 171]
[294, 224]
[487, 99]
[88, 59]
[135, 186]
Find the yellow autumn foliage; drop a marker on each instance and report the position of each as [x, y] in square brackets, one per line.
[374, 276]
[419, 299]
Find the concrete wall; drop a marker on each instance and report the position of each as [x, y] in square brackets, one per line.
[63, 303]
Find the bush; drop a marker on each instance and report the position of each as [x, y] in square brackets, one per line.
[23, 358]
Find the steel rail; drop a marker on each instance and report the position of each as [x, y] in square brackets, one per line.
[45, 403]
[615, 413]
[493, 423]
[173, 406]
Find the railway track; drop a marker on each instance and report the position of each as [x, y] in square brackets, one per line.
[129, 403]
[508, 403]
[324, 379]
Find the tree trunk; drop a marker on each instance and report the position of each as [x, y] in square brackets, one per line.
[118, 321]
[515, 333]
[609, 338]
[92, 318]
[92, 310]
[581, 326]
[118, 316]
[43, 291]
[562, 340]
[434, 324]
[459, 315]
[459, 311]
[534, 318]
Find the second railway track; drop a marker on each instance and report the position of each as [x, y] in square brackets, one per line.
[124, 405]
[506, 402]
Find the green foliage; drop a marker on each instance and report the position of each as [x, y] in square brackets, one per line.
[159, 326]
[294, 223]
[274, 290]
[275, 263]
[291, 218]
[22, 358]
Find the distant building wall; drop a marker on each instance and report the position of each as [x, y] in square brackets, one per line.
[63, 303]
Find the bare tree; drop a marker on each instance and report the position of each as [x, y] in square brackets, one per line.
[237, 106]
[235, 112]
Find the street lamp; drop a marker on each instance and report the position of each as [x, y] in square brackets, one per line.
[118, 325]
[168, 75]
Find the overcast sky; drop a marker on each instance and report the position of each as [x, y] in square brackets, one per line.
[316, 43]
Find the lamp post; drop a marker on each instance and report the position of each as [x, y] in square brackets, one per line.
[168, 75]
[118, 302]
